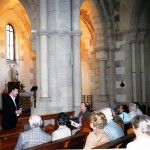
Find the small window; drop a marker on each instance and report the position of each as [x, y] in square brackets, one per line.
[10, 37]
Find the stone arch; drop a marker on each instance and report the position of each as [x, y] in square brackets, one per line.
[97, 18]
[91, 39]
[32, 10]
[90, 14]
[135, 13]
[104, 15]
[140, 11]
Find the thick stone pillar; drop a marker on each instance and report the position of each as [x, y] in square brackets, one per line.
[59, 96]
[43, 49]
[76, 33]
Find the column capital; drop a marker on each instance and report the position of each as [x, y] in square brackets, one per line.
[42, 32]
[76, 32]
[101, 55]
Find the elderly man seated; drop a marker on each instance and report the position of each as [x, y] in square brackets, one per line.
[34, 136]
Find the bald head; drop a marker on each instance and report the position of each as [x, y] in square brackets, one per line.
[35, 121]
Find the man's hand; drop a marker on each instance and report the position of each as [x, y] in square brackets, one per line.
[18, 112]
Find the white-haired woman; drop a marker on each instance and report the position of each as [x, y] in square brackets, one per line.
[112, 129]
[141, 126]
[132, 110]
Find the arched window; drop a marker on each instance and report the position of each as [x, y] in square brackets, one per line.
[10, 36]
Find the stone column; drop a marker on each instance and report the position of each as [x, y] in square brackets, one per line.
[43, 49]
[76, 33]
[134, 86]
[142, 72]
[102, 57]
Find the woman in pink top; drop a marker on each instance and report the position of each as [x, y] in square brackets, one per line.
[98, 135]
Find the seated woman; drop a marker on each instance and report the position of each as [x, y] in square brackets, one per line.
[62, 131]
[98, 135]
[112, 129]
[123, 113]
[141, 127]
[132, 110]
[138, 109]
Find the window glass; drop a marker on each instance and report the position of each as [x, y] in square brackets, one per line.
[10, 42]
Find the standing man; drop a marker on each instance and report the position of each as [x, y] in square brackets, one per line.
[10, 109]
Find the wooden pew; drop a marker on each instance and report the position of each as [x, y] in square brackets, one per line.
[9, 143]
[85, 126]
[9, 138]
[118, 143]
[25, 120]
[11, 132]
[49, 128]
[71, 142]
[121, 123]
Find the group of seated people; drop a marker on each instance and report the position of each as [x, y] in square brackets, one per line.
[104, 129]
[128, 113]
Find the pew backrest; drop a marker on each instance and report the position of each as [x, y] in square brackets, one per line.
[9, 143]
[9, 137]
[11, 132]
[74, 141]
[121, 123]
[122, 142]
[25, 120]
[54, 116]
[85, 126]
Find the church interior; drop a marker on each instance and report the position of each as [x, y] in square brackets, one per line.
[91, 50]
[63, 52]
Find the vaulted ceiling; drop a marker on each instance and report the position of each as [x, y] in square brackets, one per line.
[14, 7]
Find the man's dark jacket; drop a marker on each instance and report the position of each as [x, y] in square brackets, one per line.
[86, 115]
[9, 118]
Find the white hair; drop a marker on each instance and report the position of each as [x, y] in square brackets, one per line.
[35, 121]
[108, 113]
[142, 122]
[132, 106]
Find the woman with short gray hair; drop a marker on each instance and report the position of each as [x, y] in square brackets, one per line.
[141, 126]
[132, 110]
